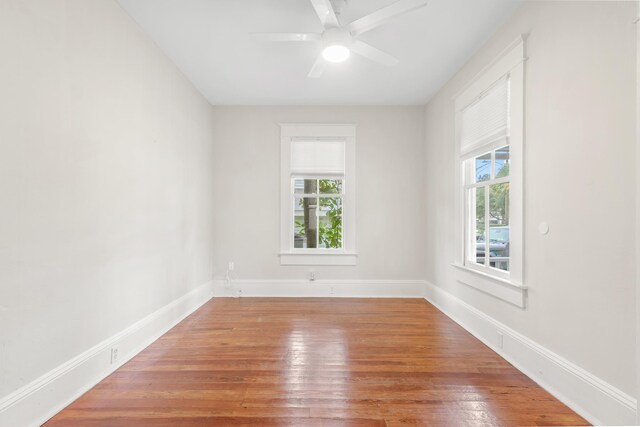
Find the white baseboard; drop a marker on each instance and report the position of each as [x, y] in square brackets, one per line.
[36, 402]
[594, 399]
[597, 401]
[322, 288]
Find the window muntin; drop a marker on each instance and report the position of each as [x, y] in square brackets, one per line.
[317, 213]
[317, 182]
[484, 144]
[491, 135]
[487, 186]
[324, 154]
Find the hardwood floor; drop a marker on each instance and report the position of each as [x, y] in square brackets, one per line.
[316, 362]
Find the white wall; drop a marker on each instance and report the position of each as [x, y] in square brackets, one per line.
[107, 165]
[390, 206]
[105, 177]
[579, 175]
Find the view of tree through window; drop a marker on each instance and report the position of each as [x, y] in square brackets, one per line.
[490, 185]
[317, 213]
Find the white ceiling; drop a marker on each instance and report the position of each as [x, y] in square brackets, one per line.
[209, 40]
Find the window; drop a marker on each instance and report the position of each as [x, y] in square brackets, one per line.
[317, 218]
[489, 122]
[484, 125]
[487, 190]
[318, 184]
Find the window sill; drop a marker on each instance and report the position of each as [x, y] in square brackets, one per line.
[318, 258]
[500, 288]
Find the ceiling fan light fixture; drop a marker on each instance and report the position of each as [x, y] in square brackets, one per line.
[339, 41]
[336, 53]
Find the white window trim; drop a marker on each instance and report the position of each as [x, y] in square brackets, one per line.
[508, 287]
[347, 255]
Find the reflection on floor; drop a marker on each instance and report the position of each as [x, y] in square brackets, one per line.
[316, 362]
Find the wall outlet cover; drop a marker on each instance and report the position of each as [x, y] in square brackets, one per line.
[114, 355]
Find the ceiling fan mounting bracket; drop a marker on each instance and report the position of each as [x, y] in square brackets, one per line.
[336, 36]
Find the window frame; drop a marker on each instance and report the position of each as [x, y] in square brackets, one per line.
[469, 171]
[289, 255]
[508, 286]
[317, 196]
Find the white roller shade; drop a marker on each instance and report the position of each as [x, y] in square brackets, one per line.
[317, 157]
[487, 118]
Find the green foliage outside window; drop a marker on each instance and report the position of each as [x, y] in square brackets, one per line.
[498, 201]
[329, 225]
[331, 231]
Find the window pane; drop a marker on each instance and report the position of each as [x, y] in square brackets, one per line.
[305, 186]
[499, 226]
[477, 232]
[502, 162]
[330, 186]
[330, 235]
[483, 168]
[305, 219]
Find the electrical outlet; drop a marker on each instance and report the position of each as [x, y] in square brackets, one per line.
[500, 339]
[312, 276]
[114, 355]
[232, 266]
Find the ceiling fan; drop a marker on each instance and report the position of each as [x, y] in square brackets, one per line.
[339, 41]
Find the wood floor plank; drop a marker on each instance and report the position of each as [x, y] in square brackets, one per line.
[316, 362]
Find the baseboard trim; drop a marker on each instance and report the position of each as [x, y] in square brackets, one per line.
[38, 401]
[597, 401]
[321, 288]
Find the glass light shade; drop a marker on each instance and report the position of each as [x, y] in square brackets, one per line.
[336, 53]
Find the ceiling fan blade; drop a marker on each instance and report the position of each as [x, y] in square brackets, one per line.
[318, 68]
[383, 15]
[287, 37]
[373, 53]
[325, 12]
